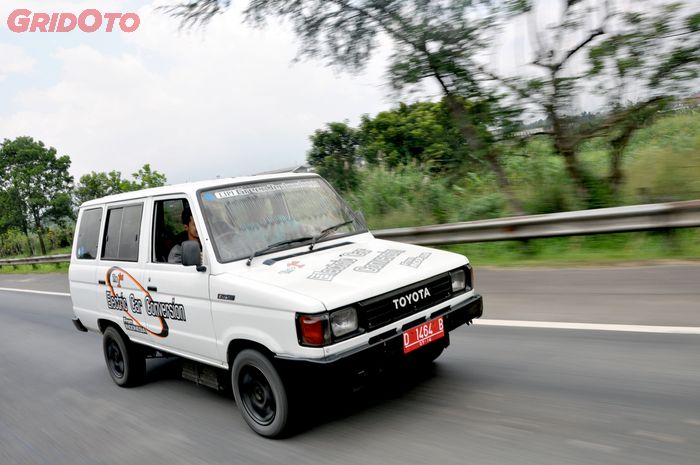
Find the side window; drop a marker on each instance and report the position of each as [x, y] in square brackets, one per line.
[168, 229]
[121, 240]
[89, 234]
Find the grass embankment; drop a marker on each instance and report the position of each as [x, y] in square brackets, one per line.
[42, 268]
[637, 248]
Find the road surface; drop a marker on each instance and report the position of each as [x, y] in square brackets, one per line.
[498, 395]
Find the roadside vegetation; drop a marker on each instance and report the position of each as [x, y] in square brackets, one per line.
[39, 199]
[662, 164]
[490, 143]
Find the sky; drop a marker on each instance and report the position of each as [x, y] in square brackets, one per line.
[224, 101]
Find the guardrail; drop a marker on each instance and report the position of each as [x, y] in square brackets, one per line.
[599, 221]
[659, 216]
[62, 258]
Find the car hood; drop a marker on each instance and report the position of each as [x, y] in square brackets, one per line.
[350, 269]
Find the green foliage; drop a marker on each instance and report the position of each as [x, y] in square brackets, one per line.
[585, 250]
[42, 268]
[145, 178]
[13, 242]
[11, 215]
[421, 133]
[664, 161]
[96, 185]
[411, 196]
[38, 182]
[334, 154]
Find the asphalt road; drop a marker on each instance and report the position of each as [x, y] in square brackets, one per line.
[498, 395]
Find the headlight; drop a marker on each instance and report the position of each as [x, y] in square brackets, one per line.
[344, 321]
[459, 280]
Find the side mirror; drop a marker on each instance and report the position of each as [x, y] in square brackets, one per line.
[192, 255]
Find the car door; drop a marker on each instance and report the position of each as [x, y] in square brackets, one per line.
[119, 268]
[180, 294]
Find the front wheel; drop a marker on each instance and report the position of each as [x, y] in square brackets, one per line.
[260, 393]
[126, 362]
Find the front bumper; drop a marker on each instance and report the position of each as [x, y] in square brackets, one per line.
[385, 349]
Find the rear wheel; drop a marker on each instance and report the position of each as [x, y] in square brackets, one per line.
[126, 361]
[260, 393]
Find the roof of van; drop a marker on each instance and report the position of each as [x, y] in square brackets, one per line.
[191, 187]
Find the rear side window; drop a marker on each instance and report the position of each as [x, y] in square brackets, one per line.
[89, 234]
[121, 240]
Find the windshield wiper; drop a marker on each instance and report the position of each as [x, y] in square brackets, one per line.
[326, 232]
[275, 245]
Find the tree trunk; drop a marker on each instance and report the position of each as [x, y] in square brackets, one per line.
[616, 176]
[470, 134]
[39, 231]
[572, 167]
[29, 242]
[502, 180]
[565, 149]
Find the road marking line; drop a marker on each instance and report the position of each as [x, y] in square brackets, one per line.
[592, 445]
[660, 437]
[510, 323]
[32, 291]
[591, 326]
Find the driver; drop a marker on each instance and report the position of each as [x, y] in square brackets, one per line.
[175, 255]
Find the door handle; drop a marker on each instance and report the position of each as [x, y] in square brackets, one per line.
[152, 288]
[101, 281]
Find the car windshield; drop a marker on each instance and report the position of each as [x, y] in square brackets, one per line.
[243, 219]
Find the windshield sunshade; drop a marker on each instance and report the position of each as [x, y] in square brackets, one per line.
[244, 219]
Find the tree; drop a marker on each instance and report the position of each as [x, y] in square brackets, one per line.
[145, 178]
[38, 181]
[10, 213]
[96, 185]
[651, 50]
[100, 184]
[421, 133]
[334, 153]
[437, 41]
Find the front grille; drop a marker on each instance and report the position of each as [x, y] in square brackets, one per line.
[383, 310]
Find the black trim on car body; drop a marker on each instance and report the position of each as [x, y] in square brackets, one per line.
[455, 316]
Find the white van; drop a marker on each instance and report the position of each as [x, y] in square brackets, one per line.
[269, 280]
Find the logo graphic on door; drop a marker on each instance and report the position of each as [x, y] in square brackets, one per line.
[139, 301]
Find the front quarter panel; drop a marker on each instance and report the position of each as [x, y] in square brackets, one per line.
[261, 313]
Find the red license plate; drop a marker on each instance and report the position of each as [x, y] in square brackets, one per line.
[423, 334]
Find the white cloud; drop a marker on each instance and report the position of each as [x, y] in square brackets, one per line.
[14, 61]
[219, 102]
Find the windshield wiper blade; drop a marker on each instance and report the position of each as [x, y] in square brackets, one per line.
[327, 231]
[275, 245]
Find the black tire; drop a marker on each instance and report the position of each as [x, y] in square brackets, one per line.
[260, 394]
[126, 362]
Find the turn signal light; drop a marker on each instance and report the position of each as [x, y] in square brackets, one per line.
[313, 330]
